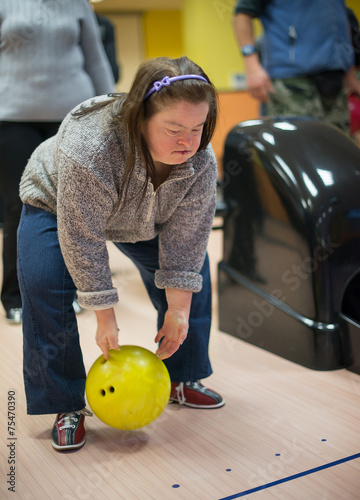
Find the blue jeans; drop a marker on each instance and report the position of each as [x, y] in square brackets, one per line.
[54, 372]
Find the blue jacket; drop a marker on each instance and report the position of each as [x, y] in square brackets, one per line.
[302, 37]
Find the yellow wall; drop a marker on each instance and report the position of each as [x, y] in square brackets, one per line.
[163, 33]
[202, 31]
[209, 39]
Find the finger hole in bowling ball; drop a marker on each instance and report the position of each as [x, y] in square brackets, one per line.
[103, 392]
[112, 389]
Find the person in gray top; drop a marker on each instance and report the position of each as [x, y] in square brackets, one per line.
[52, 59]
[136, 169]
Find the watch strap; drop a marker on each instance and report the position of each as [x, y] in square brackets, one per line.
[248, 49]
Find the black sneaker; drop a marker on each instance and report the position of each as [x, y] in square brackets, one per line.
[194, 394]
[68, 432]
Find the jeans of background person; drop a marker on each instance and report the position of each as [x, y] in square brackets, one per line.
[54, 372]
[17, 142]
[320, 97]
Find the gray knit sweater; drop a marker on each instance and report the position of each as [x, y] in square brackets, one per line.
[51, 58]
[78, 175]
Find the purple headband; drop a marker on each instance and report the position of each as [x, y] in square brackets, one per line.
[165, 82]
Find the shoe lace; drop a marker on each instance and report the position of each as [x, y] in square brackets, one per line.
[180, 393]
[197, 386]
[67, 419]
[86, 412]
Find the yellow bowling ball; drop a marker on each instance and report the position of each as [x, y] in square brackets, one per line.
[129, 390]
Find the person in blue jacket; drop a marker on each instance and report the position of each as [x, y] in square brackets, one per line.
[307, 65]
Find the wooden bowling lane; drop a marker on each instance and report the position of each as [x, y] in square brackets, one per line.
[286, 432]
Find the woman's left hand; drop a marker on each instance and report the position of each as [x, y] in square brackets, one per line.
[176, 323]
[173, 333]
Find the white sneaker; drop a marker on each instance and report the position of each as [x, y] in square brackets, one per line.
[14, 316]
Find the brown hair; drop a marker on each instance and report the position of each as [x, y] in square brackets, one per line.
[130, 111]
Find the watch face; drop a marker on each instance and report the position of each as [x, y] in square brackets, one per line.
[247, 50]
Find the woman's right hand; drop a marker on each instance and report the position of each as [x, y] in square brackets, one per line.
[107, 331]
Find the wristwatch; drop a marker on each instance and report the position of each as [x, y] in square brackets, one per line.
[248, 50]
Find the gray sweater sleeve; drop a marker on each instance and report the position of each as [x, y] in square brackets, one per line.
[81, 232]
[184, 237]
[96, 63]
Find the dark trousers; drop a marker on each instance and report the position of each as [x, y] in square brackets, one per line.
[17, 142]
